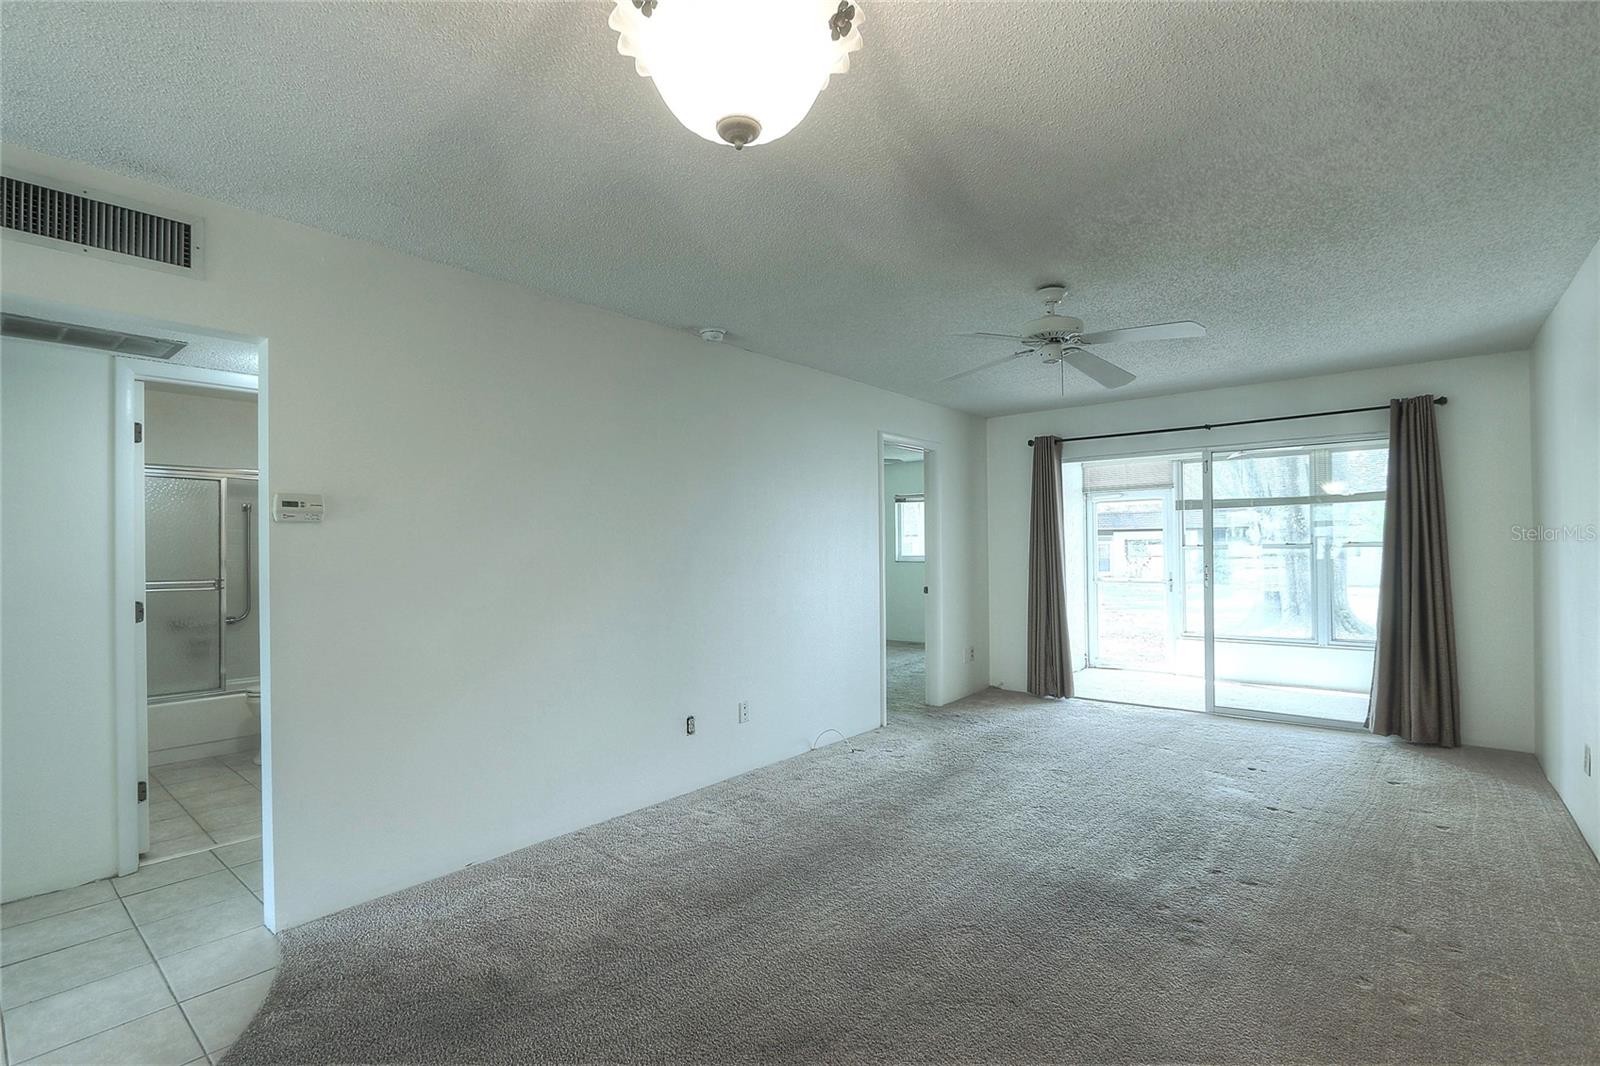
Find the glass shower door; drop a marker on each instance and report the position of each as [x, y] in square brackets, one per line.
[183, 576]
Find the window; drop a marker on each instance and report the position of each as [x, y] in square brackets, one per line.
[1130, 539]
[1299, 544]
[909, 543]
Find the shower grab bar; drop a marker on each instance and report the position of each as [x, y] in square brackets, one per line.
[247, 602]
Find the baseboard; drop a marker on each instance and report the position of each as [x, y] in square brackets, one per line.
[233, 745]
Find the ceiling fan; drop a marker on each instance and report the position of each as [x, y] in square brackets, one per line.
[1061, 341]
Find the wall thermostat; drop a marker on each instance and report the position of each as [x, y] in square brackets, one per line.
[297, 507]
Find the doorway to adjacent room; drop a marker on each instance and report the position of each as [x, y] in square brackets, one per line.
[907, 552]
[904, 575]
[202, 626]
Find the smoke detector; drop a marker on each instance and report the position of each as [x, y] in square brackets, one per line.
[712, 334]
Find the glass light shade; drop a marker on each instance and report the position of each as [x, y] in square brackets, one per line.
[716, 60]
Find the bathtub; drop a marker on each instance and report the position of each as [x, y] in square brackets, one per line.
[216, 723]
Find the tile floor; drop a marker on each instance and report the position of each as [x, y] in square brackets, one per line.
[197, 805]
[164, 966]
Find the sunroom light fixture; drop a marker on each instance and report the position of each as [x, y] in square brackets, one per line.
[738, 72]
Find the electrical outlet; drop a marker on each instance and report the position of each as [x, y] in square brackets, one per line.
[688, 725]
[972, 655]
[744, 711]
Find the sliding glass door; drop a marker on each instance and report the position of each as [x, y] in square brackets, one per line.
[1293, 542]
[1125, 541]
[1238, 581]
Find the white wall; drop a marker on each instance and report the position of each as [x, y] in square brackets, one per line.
[1566, 500]
[482, 645]
[57, 713]
[1484, 437]
[903, 581]
[185, 427]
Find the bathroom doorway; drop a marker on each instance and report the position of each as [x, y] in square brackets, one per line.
[116, 426]
[191, 560]
[202, 628]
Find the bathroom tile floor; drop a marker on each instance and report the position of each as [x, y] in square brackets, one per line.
[164, 966]
[203, 804]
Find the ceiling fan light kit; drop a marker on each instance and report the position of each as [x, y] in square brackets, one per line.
[738, 72]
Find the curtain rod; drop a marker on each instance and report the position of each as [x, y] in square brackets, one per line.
[1221, 425]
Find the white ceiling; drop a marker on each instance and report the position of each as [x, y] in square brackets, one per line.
[1325, 186]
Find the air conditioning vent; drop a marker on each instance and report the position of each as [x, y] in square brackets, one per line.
[23, 327]
[41, 211]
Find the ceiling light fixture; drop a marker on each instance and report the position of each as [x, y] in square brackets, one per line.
[739, 72]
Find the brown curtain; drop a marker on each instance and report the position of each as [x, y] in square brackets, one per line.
[1049, 662]
[1415, 691]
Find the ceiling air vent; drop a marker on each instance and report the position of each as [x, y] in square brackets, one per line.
[97, 225]
[41, 329]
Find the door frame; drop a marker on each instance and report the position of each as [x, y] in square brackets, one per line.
[133, 712]
[933, 597]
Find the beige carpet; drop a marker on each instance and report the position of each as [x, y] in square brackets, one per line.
[1003, 880]
[905, 667]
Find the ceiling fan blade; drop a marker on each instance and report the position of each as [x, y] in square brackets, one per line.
[995, 336]
[990, 363]
[1107, 374]
[1161, 331]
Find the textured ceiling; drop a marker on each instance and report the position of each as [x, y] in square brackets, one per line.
[1325, 186]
